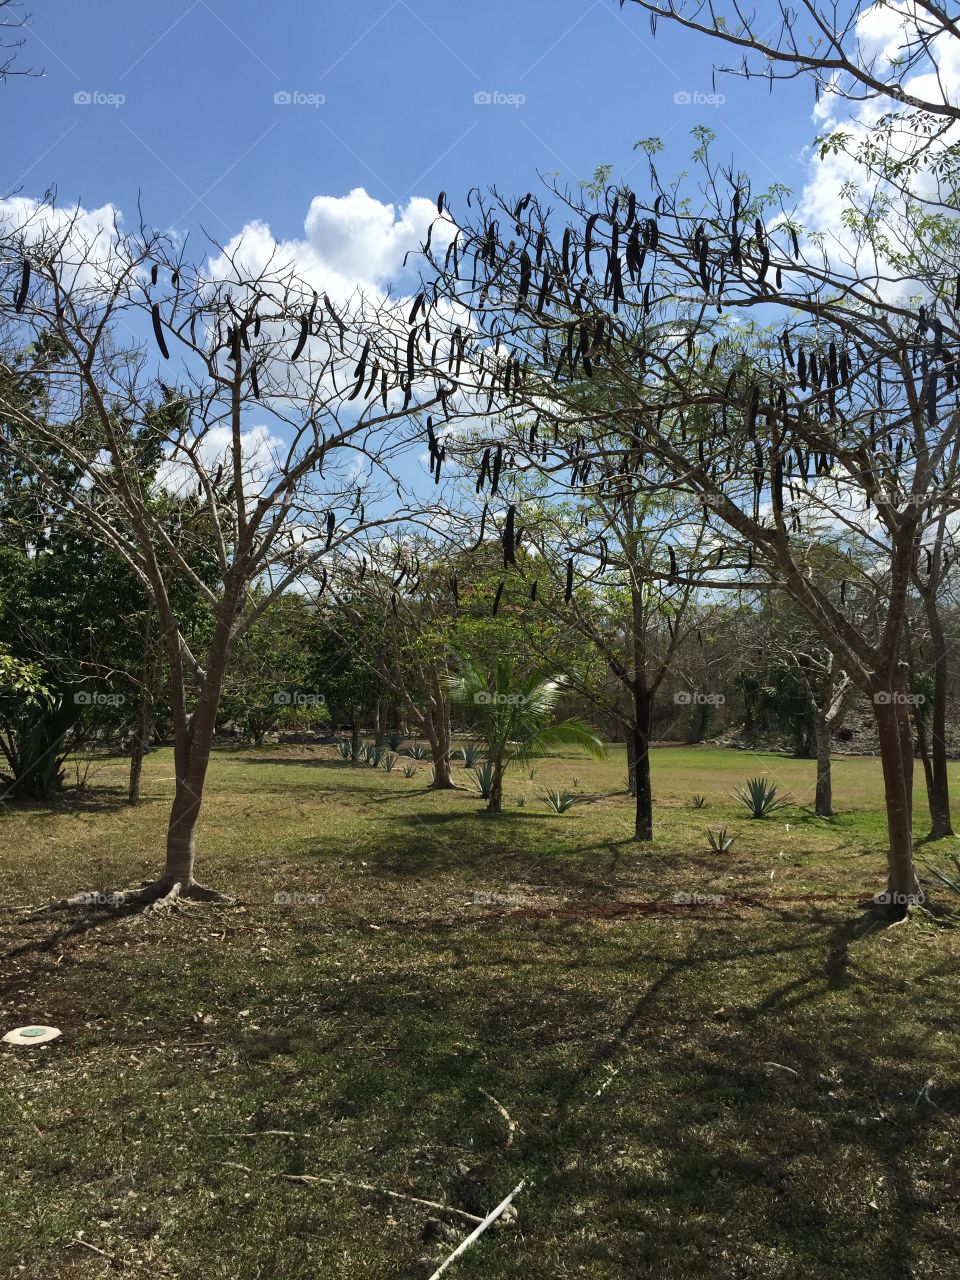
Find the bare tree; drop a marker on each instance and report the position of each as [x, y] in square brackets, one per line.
[840, 421]
[275, 428]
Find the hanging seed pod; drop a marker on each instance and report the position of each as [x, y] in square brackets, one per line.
[673, 561]
[331, 526]
[455, 591]
[254, 381]
[496, 598]
[415, 309]
[21, 298]
[302, 340]
[495, 472]
[158, 331]
[588, 241]
[483, 527]
[533, 590]
[154, 270]
[526, 267]
[565, 251]
[568, 590]
[509, 538]
[753, 408]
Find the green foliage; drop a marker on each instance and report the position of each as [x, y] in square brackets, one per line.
[562, 800]
[699, 801]
[388, 760]
[470, 753]
[761, 797]
[344, 749]
[417, 751]
[483, 775]
[720, 841]
[949, 878]
[409, 770]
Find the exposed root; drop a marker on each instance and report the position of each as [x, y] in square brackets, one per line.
[153, 897]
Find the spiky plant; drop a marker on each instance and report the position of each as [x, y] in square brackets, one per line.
[409, 770]
[561, 801]
[511, 716]
[720, 841]
[949, 878]
[388, 760]
[699, 802]
[417, 751]
[761, 798]
[483, 777]
[344, 750]
[471, 753]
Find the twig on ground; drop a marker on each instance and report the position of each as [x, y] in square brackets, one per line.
[92, 1247]
[381, 1191]
[509, 1121]
[488, 1221]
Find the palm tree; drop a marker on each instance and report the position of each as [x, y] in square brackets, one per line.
[511, 716]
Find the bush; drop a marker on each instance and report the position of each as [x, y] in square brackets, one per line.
[760, 797]
[561, 801]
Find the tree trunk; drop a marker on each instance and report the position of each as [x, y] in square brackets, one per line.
[823, 804]
[938, 790]
[896, 757]
[643, 710]
[495, 803]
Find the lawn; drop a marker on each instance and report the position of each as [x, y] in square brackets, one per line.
[745, 1082]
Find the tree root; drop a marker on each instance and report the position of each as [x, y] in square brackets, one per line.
[153, 897]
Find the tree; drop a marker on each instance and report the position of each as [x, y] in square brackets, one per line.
[270, 506]
[844, 419]
[510, 714]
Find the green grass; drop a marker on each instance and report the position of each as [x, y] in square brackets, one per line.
[641, 1046]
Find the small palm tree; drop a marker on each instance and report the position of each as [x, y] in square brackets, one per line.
[511, 714]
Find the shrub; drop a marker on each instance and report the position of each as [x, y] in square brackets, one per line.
[720, 841]
[699, 802]
[409, 770]
[388, 761]
[417, 751]
[561, 801]
[471, 753]
[483, 777]
[760, 797]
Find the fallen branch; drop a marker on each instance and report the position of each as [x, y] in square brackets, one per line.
[92, 1247]
[510, 1122]
[488, 1221]
[382, 1191]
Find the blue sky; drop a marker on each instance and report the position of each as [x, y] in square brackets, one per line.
[200, 139]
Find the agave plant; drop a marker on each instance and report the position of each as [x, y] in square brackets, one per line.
[949, 878]
[720, 841]
[471, 753]
[511, 715]
[483, 776]
[699, 801]
[344, 750]
[417, 751]
[561, 801]
[409, 770]
[388, 760]
[373, 755]
[761, 798]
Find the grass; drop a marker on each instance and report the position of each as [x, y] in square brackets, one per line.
[731, 1088]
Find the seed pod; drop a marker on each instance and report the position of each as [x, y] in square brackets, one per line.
[21, 297]
[331, 525]
[495, 473]
[587, 241]
[455, 591]
[254, 381]
[158, 331]
[533, 590]
[568, 591]
[302, 340]
[802, 369]
[525, 270]
[441, 201]
[509, 539]
[496, 598]
[673, 560]
[565, 252]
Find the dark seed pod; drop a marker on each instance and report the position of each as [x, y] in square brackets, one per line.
[455, 591]
[496, 598]
[415, 309]
[568, 591]
[331, 525]
[441, 201]
[254, 381]
[509, 539]
[533, 590]
[21, 297]
[153, 273]
[158, 331]
[302, 340]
